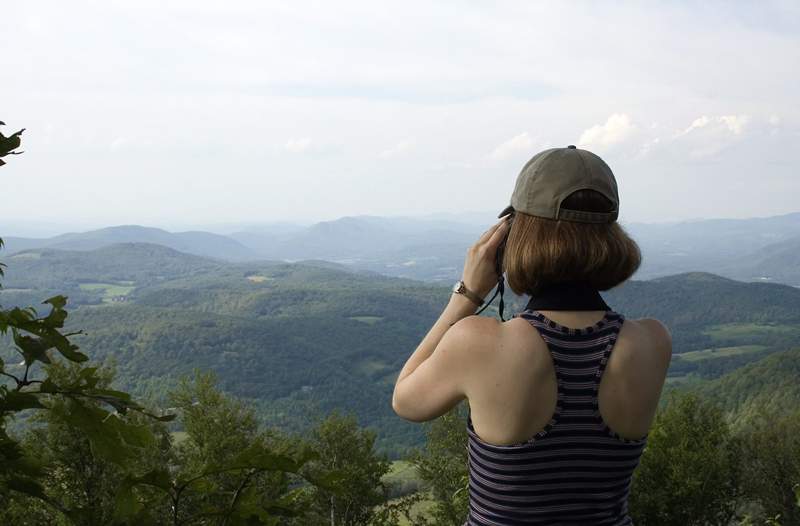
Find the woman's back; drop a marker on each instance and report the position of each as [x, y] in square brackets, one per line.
[558, 423]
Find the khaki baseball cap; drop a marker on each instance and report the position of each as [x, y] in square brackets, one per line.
[552, 175]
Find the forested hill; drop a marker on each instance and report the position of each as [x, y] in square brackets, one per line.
[299, 338]
[772, 383]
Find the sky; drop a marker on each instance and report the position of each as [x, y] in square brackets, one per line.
[181, 113]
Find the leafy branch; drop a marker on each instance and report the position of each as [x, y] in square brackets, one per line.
[9, 144]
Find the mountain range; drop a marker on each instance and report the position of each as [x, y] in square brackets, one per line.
[433, 249]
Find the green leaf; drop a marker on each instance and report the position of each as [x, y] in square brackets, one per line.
[27, 486]
[17, 401]
[48, 386]
[58, 302]
[126, 505]
[159, 478]
[32, 348]
[10, 143]
[109, 436]
[70, 352]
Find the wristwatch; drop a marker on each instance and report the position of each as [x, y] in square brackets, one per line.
[460, 288]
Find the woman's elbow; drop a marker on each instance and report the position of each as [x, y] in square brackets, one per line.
[404, 408]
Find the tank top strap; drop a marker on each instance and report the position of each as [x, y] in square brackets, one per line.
[579, 355]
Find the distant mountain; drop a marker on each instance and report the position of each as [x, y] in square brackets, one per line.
[358, 239]
[730, 247]
[198, 243]
[433, 249]
[779, 262]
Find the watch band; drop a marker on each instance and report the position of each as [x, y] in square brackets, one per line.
[461, 288]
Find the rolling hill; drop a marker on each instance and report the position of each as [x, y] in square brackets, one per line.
[198, 243]
[300, 338]
[432, 249]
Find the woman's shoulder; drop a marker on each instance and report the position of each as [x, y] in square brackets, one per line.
[658, 334]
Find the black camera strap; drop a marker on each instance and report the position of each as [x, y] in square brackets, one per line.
[567, 295]
[501, 285]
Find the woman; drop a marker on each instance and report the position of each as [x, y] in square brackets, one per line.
[562, 395]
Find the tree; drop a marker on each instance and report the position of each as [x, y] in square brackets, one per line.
[74, 475]
[771, 460]
[443, 467]
[689, 473]
[347, 452]
[9, 144]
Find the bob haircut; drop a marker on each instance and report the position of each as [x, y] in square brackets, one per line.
[541, 251]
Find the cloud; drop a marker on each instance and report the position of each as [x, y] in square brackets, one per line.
[735, 123]
[618, 128]
[298, 145]
[517, 145]
[118, 143]
[397, 149]
[700, 122]
[708, 135]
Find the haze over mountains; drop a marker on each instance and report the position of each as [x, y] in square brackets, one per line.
[432, 249]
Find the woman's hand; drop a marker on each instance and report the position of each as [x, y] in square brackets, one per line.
[480, 274]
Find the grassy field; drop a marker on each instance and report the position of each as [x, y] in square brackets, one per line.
[705, 354]
[110, 290]
[259, 279]
[401, 471]
[371, 366]
[404, 474]
[738, 330]
[179, 436]
[369, 320]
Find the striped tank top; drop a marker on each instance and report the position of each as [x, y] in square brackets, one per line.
[576, 470]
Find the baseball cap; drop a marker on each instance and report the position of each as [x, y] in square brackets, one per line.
[552, 175]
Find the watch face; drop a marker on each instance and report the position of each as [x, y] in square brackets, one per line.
[457, 287]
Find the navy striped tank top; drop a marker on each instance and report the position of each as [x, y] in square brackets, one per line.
[576, 470]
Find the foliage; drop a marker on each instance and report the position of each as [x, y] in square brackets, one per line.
[689, 472]
[772, 464]
[347, 451]
[80, 401]
[768, 386]
[442, 466]
[9, 144]
[226, 470]
[74, 475]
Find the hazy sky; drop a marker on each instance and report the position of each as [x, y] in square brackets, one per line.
[174, 113]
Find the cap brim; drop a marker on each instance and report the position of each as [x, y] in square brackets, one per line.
[507, 210]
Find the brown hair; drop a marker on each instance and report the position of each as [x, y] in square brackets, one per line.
[540, 251]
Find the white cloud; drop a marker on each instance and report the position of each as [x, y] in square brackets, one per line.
[297, 145]
[700, 122]
[273, 88]
[708, 135]
[735, 123]
[649, 145]
[398, 149]
[517, 145]
[118, 143]
[618, 128]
